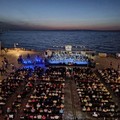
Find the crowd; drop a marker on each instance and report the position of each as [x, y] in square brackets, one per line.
[46, 102]
[4, 66]
[93, 95]
[44, 90]
[12, 83]
[112, 79]
[46, 96]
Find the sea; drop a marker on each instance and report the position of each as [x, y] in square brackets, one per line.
[99, 41]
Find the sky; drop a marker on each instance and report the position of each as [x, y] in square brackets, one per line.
[62, 14]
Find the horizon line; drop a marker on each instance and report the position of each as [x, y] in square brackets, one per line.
[62, 29]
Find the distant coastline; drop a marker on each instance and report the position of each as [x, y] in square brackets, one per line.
[6, 26]
[59, 30]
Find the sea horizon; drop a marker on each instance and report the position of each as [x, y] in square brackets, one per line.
[99, 40]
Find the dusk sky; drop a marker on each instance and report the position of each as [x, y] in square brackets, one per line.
[62, 14]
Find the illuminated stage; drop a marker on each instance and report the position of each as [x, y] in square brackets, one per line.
[68, 61]
[33, 66]
[32, 62]
[63, 58]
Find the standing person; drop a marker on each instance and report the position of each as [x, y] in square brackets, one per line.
[5, 60]
[3, 64]
[3, 70]
[28, 56]
[110, 64]
[118, 67]
[13, 67]
[6, 65]
[20, 59]
[0, 71]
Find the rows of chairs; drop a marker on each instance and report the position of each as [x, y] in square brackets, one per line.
[45, 93]
[8, 88]
[112, 79]
[93, 95]
[47, 99]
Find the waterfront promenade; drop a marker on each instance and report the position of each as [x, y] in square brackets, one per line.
[105, 62]
[12, 56]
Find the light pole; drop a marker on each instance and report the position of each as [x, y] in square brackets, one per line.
[15, 44]
[0, 48]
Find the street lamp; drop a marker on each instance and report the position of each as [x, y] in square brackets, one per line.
[0, 48]
[15, 44]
